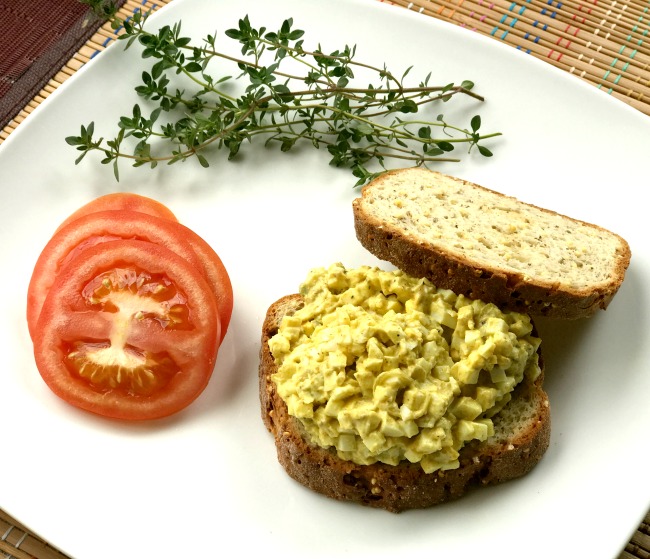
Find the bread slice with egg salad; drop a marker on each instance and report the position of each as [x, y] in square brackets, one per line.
[382, 389]
[490, 246]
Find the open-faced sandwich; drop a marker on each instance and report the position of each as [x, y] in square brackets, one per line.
[403, 389]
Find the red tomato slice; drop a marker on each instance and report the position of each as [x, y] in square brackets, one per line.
[217, 275]
[123, 201]
[100, 227]
[128, 330]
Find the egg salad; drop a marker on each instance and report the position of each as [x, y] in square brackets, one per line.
[384, 367]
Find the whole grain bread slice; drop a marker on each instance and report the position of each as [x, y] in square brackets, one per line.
[521, 437]
[489, 246]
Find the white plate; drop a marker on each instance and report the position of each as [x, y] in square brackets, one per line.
[207, 479]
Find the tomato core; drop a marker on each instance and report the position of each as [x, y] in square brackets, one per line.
[132, 296]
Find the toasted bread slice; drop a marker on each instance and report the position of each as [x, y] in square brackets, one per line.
[521, 436]
[489, 246]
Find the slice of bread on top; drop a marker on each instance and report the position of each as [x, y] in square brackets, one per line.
[489, 246]
[521, 436]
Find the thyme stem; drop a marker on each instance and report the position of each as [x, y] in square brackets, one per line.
[361, 127]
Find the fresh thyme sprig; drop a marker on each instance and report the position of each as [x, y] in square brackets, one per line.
[360, 127]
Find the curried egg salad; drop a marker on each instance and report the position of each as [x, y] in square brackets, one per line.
[384, 367]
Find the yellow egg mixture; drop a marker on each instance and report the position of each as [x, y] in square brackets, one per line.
[384, 367]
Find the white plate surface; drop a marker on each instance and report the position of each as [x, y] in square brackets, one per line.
[207, 480]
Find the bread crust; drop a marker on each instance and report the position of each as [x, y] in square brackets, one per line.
[508, 290]
[393, 488]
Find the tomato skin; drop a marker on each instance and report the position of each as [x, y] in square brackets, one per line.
[122, 201]
[68, 315]
[217, 275]
[99, 227]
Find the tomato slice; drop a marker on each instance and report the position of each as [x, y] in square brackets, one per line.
[217, 275]
[128, 330]
[100, 227]
[123, 201]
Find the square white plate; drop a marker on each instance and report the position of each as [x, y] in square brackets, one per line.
[207, 481]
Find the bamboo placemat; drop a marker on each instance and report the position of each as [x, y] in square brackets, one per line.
[604, 43]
